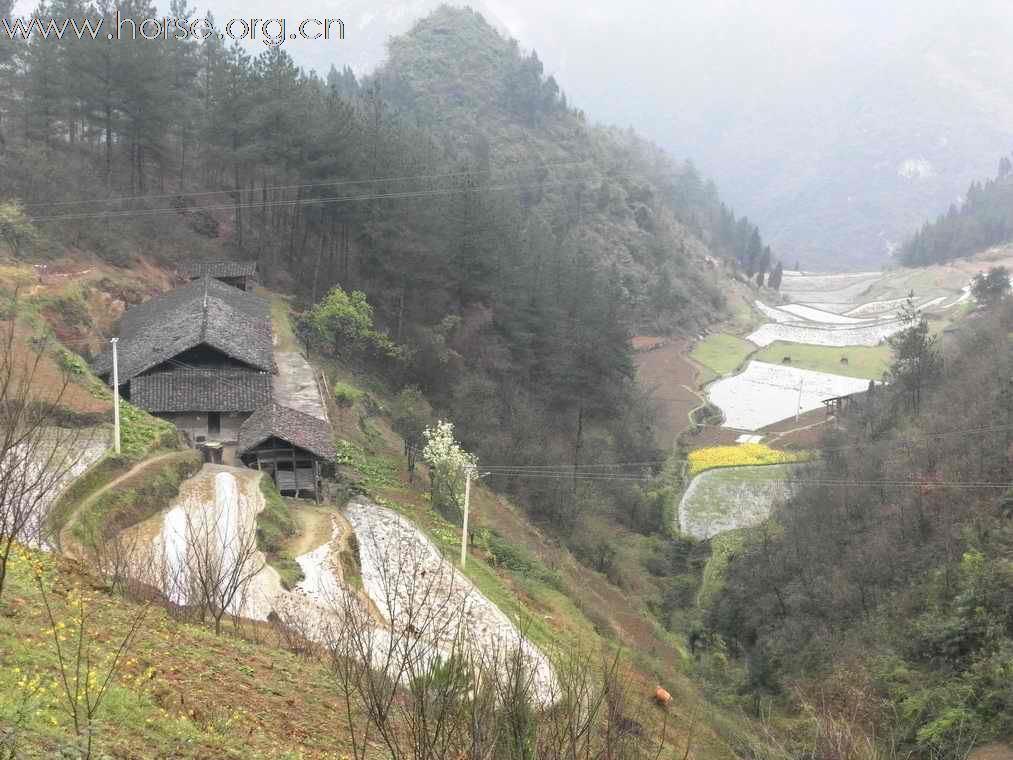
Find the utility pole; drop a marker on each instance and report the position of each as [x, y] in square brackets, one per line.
[116, 398]
[469, 470]
[798, 406]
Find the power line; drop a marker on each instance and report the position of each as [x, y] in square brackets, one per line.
[334, 183]
[780, 481]
[408, 194]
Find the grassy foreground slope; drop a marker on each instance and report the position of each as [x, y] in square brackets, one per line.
[180, 690]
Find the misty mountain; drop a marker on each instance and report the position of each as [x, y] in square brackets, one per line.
[838, 130]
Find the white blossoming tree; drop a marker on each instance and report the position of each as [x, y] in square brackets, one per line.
[448, 464]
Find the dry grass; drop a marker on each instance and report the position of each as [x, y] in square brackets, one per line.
[78, 396]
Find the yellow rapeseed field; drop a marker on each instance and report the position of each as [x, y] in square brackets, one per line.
[741, 454]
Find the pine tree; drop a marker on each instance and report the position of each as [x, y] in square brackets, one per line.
[917, 362]
[764, 262]
[6, 72]
[776, 276]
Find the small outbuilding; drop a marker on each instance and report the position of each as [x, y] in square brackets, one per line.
[238, 274]
[294, 448]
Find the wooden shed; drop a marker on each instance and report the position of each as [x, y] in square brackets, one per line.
[294, 448]
[238, 274]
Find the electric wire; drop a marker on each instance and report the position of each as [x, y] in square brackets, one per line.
[333, 183]
[403, 195]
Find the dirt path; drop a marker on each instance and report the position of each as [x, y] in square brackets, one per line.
[284, 336]
[295, 385]
[314, 527]
[70, 546]
[992, 752]
[320, 525]
[669, 377]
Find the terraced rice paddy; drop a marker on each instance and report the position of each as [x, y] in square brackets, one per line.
[722, 354]
[731, 497]
[811, 314]
[863, 335]
[766, 393]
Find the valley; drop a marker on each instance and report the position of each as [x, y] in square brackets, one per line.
[820, 336]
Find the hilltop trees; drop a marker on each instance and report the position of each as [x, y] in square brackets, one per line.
[991, 287]
[776, 276]
[984, 219]
[917, 361]
[6, 65]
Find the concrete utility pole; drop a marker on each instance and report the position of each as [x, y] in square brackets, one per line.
[469, 470]
[798, 406]
[116, 398]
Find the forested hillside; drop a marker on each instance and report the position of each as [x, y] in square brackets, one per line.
[879, 593]
[984, 219]
[507, 247]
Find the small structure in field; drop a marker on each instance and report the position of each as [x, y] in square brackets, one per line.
[841, 406]
[292, 447]
[238, 274]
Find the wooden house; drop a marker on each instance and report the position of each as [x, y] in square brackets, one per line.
[238, 274]
[200, 356]
[294, 448]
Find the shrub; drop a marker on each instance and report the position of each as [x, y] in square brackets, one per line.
[140, 432]
[345, 395]
[275, 524]
[516, 559]
[346, 319]
[411, 413]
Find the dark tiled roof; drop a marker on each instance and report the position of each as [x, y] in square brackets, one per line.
[205, 312]
[299, 429]
[221, 269]
[201, 390]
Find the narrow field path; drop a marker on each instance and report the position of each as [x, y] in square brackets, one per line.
[70, 546]
[325, 536]
[314, 527]
[669, 376]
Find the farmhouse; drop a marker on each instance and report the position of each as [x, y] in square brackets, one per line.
[202, 357]
[239, 274]
[199, 356]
